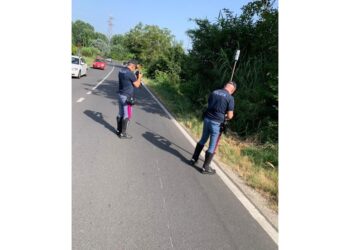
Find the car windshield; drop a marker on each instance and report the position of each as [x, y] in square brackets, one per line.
[75, 60]
[98, 60]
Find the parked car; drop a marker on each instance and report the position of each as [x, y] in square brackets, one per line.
[109, 60]
[99, 64]
[79, 66]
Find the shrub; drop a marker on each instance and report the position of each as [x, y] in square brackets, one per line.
[86, 51]
[74, 49]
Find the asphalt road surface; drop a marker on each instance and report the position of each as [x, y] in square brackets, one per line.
[141, 193]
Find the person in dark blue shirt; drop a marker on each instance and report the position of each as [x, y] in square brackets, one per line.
[127, 82]
[220, 108]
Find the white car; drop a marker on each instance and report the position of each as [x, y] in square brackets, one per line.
[79, 66]
[109, 60]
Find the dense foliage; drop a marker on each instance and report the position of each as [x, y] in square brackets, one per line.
[209, 63]
[86, 41]
[156, 48]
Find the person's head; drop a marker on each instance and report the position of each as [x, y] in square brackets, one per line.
[231, 87]
[132, 64]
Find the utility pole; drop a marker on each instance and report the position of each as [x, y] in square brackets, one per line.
[110, 30]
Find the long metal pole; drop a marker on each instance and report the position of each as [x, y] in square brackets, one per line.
[234, 66]
[233, 71]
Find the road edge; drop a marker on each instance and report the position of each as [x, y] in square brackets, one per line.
[255, 212]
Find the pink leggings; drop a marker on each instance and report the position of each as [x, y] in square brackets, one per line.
[129, 111]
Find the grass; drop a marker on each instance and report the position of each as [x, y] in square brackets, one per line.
[256, 164]
[89, 60]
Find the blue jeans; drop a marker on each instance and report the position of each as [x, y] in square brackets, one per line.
[212, 129]
[124, 109]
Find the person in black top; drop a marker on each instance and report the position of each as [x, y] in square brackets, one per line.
[220, 108]
[127, 82]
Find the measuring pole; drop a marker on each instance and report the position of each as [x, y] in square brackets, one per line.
[233, 71]
[234, 66]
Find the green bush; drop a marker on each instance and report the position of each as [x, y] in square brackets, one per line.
[95, 51]
[86, 51]
[74, 49]
[90, 51]
[209, 64]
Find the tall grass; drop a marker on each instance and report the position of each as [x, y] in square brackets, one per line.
[256, 107]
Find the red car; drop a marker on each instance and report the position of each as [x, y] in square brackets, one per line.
[99, 64]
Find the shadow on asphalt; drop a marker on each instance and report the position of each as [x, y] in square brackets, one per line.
[166, 145]
[98, 117]
[144, 100]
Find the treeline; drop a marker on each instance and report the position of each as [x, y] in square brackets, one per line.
[208, 64]
[86, 41]
[156, 48]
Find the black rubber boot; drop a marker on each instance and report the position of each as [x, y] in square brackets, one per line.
[197, 152]
[119, 125]
[123, 134]
[206, 169]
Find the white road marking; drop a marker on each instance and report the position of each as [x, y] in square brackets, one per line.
[81, 99]
[171, 242]
[161, 183]
[164, 204]
[255, 213]
[164, 207]
[98, 84]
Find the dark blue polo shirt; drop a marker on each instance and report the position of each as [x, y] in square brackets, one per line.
[126, 79]
[220, 101]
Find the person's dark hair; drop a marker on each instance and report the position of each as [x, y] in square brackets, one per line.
[133, 62]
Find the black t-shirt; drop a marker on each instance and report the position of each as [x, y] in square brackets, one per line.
[219, 102]
[126, 79]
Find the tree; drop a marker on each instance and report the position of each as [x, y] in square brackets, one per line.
[255, 33]
[148, 42]
[82, 33]
[101, 45]
[101, 36]
[118, 40]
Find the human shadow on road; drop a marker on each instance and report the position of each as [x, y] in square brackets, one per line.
[98, 117]
[107, 89]
[152, 131]
[166, 145]
[148, 104]
[144, 101]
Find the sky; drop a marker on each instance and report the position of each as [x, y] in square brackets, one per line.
[170, 14]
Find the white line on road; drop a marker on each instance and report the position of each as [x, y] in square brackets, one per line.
[81, 99]
[98, 84]
[164, 205]
[171, 242]
[89, 93]
[270, 230]
[161, 183]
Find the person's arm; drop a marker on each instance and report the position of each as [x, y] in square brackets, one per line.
[229, 115]
[137, 83]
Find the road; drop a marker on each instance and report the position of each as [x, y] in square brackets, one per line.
[141, 193]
